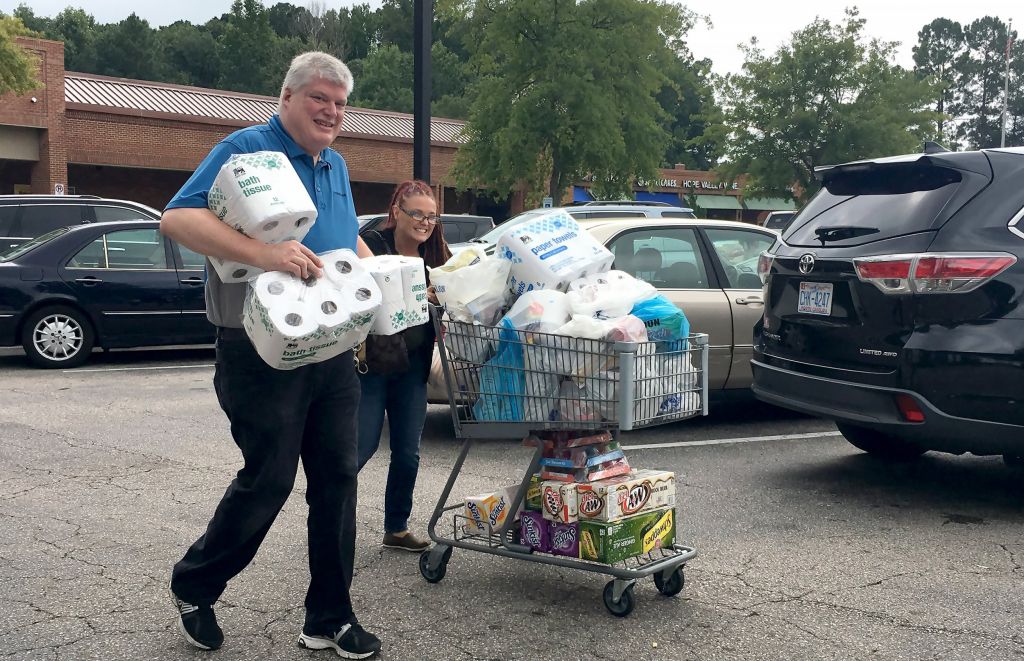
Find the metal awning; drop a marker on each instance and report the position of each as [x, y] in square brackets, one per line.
[668, 198]
[769, 204]
[581, 194]
[718, 202]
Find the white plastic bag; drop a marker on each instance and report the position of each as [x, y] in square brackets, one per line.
[539, 311]
[471, 285]
[607, 295]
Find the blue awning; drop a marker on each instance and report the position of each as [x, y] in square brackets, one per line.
[581, 194]
[670, 198]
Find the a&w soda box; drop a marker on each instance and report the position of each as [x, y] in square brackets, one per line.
[626, 495]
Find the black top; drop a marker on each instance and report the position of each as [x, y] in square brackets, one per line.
[419, 340]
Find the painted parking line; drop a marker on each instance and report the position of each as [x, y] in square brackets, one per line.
[727, 441]
[136, 369]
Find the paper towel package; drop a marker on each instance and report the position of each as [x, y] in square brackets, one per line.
[293, 322]
[549, 252]
[261, 196]
[403, 284]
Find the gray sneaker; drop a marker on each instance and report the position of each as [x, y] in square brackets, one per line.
[406, 542]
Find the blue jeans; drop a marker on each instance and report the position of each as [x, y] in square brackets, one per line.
[403, 397]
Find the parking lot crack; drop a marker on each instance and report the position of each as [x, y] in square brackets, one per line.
[1012, 556]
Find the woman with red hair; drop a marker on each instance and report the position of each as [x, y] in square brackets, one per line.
[413, 229]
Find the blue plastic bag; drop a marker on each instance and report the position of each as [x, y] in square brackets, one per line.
[664, 321]
[501, 380]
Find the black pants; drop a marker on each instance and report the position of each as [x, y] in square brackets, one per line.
[278, 417]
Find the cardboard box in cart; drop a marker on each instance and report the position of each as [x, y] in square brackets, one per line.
[619, 497]
[637, 535]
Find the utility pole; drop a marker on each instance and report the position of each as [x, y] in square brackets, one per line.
[1006, 84]
[423, 17]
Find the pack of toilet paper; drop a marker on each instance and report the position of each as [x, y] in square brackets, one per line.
[403, 286]
[261, 196]
[549, 252]
[293, 322]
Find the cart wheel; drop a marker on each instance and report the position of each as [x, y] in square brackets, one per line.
[674, 584]
[624, 606]
[433, 574]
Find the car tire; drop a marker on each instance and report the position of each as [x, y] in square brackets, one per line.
[879, 444]
[57, 336]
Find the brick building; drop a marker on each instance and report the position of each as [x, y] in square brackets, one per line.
[94, 135]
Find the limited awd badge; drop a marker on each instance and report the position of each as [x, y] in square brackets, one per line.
[806, 263]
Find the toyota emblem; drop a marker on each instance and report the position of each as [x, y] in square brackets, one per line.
[806, 263]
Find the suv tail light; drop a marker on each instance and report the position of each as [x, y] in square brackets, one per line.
[764, 266]
[931, 273]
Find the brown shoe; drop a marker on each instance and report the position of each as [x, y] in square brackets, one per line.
[406, 542]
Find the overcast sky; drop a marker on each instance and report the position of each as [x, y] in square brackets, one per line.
[734, 21]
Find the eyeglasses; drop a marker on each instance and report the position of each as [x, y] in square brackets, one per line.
[420, 217]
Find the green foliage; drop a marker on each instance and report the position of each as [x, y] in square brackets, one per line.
[188, 55]
[128, 49]
[828, 96]
[970, 64]
[17, 68]
[252, 56]
[385, 80]
[940, 56]
[567, 88]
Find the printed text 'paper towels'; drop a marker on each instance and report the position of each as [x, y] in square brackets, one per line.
[549, 252]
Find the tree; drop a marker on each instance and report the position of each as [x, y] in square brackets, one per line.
[188, 55]
[385, 80]
[983, 73]
[567, 88]
[828, 96]
[78, 31]
[940, 55]
[17, 68]
[689, 100]
[252, 56]
[128, 49]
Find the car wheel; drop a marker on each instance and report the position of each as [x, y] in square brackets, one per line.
[879, 444]
[57, 336]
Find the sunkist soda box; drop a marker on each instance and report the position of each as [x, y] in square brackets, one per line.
[626, 538]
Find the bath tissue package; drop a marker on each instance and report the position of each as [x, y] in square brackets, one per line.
[261, 196]
[293, 322]
[403, 284]
[549, 252]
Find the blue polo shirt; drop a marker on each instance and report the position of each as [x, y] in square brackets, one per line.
[326, 182]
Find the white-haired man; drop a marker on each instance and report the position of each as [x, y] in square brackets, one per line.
[280, 416]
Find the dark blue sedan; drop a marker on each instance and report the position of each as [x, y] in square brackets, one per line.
[109, 285]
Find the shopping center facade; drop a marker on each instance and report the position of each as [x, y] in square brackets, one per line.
[140, 140]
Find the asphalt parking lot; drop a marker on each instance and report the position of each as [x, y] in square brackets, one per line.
[808, 548]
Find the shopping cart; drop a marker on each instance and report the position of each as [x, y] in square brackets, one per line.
[504, 383]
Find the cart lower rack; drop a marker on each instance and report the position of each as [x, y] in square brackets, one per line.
[507, 383]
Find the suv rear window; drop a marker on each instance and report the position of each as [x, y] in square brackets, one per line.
[877, 202]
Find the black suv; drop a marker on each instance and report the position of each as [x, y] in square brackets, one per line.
[24, 217]
[894, 304]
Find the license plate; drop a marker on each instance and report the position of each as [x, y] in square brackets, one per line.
[815, 298]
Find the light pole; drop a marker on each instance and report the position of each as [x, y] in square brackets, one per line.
[423, 17]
